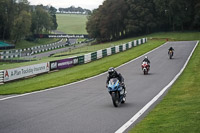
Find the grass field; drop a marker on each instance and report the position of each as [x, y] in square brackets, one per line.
[27, 44]
[71, 23]
[177, 36]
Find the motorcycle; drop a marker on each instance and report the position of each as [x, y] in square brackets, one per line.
[117, 92]
[145, 67]
[170, 53]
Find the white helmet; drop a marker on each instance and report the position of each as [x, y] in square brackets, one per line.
[146, 57]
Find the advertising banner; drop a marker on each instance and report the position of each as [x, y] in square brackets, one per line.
[53, 65]
[61, 36]
[21, 72]
[65, 63]
[75, 60]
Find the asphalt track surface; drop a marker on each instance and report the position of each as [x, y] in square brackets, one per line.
[86, 106]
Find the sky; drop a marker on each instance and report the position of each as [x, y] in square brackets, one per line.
[86, 4]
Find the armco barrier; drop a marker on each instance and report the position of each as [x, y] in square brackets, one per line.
[1, 76]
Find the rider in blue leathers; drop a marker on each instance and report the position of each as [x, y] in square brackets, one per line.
[112, 73]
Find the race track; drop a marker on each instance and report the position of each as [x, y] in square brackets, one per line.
[86, 106]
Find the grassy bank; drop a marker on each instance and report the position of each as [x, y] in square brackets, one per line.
[176, 36]
[179, 111]
[27, 44]
[77, 73]
[71, 23]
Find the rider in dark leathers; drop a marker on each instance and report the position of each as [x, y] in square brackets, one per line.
[171, 49]
[146, 60]
[112, 73]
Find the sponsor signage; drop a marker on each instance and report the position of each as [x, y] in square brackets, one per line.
[75, 61]
[53, 65]
[21, 72]
[61, 36]
[65, 63]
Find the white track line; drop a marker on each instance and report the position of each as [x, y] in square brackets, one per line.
[138, 114]
[10, 97]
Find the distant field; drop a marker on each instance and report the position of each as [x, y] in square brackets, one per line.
[27, 44]
[72, 24]
[177, 36]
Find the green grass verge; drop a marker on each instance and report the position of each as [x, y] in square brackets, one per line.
[71, 23]
[76, 73]
[179, 111]
[27, 44]
[177, 36]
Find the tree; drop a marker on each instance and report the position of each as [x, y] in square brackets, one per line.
[196, 22]
[52, 12]
[22, 26]
[41, 21]
[92, 25]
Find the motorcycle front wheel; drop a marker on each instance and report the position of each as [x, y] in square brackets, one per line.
[115, 98]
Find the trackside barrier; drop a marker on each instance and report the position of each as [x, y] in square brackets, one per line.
[1, 76]
[94, 56]
[99, 54]
[26, 71]
[109, 51]
[21, 72]
[104, 52]
[113, 50]
[81, 59]
[30, 51]
[87, 58]
[117, 49]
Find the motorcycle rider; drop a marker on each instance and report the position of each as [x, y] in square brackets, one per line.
[171, 49]
[112, 73]
[146, 60]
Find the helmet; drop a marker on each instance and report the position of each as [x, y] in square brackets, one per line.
[111, 71]
[146, 57]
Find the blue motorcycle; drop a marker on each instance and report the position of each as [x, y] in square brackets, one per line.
[117, 92]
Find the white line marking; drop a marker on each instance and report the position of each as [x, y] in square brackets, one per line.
[16, 96]
[139, 113]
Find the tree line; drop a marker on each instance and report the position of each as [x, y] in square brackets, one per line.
[116, 19]
[73, 9]
[19, 20]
